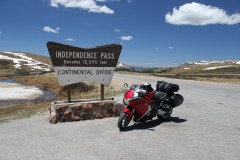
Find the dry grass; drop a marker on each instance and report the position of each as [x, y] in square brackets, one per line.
[6, 68]
[83, 90]
[46, 81]
[18, 111]
[223, 78]
[40, 58]
[208, 77]
[78, 91]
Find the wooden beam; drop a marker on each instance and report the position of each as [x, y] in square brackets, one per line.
[102, 91]
[69, 93]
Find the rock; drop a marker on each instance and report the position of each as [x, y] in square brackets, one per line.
[61, 111]
[53, 119]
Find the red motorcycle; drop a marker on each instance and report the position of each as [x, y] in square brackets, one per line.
[142, 103]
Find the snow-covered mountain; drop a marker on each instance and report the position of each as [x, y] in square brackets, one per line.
[226, 62]
[199, 67]
[124, 67]
[209, 65]
[137, 68]
[16, 62]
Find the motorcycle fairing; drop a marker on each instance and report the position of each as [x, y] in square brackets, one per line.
[141, 116]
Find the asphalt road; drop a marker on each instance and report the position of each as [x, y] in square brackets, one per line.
[206, 126]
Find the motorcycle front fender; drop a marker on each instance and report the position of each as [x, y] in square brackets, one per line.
[129, 111]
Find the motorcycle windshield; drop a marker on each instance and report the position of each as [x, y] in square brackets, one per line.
[135, 88]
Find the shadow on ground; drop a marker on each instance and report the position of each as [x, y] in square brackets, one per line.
[149, 125]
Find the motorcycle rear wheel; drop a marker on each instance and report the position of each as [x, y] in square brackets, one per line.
[123, 121]
[168, 113]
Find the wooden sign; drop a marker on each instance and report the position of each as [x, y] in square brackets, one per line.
[74, 64]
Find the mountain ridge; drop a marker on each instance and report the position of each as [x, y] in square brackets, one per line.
[22, 62]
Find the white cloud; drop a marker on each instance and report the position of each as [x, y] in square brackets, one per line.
[126, 38]
[49, 29]
[0, 33]
[70, 39]
[89, 5]
[117, 30]
[170, 47]
[129, 1]
[200, 14]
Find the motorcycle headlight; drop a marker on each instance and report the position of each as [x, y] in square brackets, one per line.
[126, 100]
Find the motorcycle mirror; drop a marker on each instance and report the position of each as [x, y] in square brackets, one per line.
[125, 85]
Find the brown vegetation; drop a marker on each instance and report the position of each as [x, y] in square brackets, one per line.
[85, 90]
[223, 78]
[82, 90]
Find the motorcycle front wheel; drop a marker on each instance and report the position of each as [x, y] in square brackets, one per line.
[123, 121]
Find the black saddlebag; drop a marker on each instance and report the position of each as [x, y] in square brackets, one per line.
[167, 87]
[175, 100]
[160, 96]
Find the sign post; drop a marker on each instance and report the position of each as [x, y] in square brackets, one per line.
[69, 93]
[74, 64]
[102, 91]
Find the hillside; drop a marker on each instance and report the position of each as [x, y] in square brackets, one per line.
[23, 63]
[12, 63]
[208, 67]
[200, 67]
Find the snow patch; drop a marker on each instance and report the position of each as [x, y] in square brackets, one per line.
[186, 68]
[212, 68]
[213, 62]
[120, 65]
[14, 91]
[30, 62]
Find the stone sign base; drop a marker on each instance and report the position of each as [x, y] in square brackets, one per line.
[77, 110]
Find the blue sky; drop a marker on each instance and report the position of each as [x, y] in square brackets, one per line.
[152, 32]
